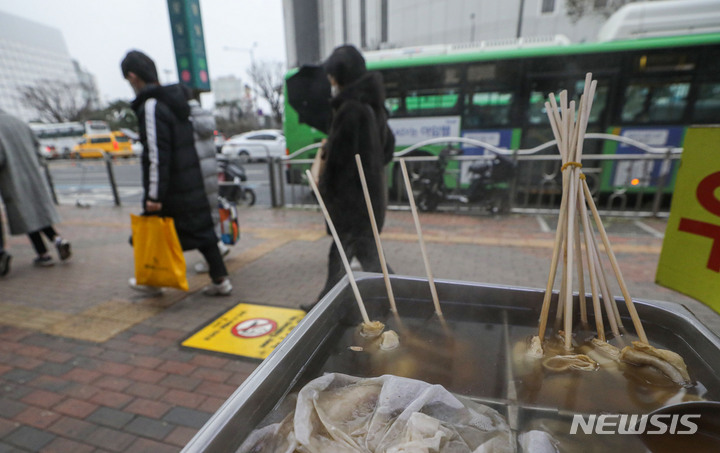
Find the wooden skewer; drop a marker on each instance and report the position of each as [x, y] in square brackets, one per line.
[607, 299]
[560, 312]
[572, 131]
[567, 127]
[605, 285]
[588, 100]
[553, 125]
[613, 261]
[597, 309]
[431, 281]
[571, 239]
[581, 275]
[376, 233]
[545, 310]
[339, 245]
[553, 116]
[565, 124]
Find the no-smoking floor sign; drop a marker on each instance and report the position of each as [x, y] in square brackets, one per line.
[247, 330]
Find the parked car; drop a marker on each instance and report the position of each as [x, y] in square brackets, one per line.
[116, 144]
[125, 148]
[49, 152]
[256, 145]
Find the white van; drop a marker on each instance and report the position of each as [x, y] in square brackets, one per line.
[95, 127]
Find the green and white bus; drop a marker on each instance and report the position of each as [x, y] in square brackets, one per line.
[649, 90]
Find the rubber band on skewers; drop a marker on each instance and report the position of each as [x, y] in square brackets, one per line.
[570, 164]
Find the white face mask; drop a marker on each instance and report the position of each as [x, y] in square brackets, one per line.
[334, 90]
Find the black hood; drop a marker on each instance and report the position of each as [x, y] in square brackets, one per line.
[368, 89]
[174, 96]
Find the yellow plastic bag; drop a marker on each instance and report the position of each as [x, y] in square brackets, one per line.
[159, 260]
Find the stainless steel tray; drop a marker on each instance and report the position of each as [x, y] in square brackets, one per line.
[312, 348]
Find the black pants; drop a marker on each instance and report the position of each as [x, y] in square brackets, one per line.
[359, 246]
[216, 265]
[37, 240]
[2, 239]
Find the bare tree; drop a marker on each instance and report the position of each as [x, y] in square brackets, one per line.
[57, 100]
[268, 79]
[577, 9]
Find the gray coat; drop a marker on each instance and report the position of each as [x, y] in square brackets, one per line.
[24, 190]
[204, 127]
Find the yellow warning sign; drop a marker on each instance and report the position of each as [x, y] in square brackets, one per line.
[247, 330]
[690, 257]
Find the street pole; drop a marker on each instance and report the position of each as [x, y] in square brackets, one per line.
[472, 27]
[518, 34]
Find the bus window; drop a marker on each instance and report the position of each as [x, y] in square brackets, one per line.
[431, 102]
[481, 72]
[431, 76]
[665, 61]
[536, 107]
[707, 106]
[393, 106]
[599, 101]
[487, 109]
[655, 102]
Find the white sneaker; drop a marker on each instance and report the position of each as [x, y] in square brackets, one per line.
[224, 249]
[149, 290]
[201, 268]
[223, 288]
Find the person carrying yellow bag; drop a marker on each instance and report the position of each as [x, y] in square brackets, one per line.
[172, 180]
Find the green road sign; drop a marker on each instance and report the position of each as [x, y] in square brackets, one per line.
[187, 32]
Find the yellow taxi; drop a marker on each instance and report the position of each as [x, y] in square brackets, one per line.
[116, 144]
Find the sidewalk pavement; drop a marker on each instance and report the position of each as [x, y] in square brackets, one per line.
[89, 365]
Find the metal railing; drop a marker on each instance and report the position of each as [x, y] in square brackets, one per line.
[107, 158]
[536, 186]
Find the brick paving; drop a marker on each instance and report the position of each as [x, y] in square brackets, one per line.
[87, 365]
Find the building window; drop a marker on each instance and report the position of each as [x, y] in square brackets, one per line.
[547, 6]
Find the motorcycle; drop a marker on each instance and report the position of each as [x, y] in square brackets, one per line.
[232, 179]
[489, 183]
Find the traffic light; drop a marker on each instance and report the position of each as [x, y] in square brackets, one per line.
[189, 41]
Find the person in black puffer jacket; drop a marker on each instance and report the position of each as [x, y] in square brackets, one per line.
[172, 180]
[359, 126]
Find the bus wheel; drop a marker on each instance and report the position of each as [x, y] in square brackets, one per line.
[415, 169]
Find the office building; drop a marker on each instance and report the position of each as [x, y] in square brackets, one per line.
[313, 28]
[30, 53]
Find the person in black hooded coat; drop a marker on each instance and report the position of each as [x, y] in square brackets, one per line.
[172, 179]
[359, 126]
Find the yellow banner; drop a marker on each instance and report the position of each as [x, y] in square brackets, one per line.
[247, 330]
[690, 257]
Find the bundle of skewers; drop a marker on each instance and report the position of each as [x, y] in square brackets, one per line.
[580, 251]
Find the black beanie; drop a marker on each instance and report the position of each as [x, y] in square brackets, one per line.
[141, 65]
[345, 64]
